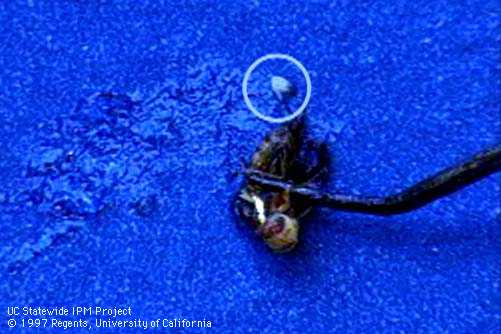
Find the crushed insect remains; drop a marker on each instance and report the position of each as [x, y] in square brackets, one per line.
[286, 155]
[286, 173]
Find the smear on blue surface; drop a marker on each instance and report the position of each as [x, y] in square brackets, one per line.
[110, 151]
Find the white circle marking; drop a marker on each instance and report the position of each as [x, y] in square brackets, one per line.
[256, 112]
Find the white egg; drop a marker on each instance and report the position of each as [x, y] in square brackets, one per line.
[282, 87]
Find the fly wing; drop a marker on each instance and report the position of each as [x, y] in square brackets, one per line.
[280, 149]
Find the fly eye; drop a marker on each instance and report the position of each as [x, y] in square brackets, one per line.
[278, 226]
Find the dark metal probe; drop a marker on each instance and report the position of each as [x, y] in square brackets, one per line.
[422, 193]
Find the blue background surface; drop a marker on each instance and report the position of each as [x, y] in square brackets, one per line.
[139, 214]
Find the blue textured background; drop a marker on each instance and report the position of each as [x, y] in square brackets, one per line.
[139, 214]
